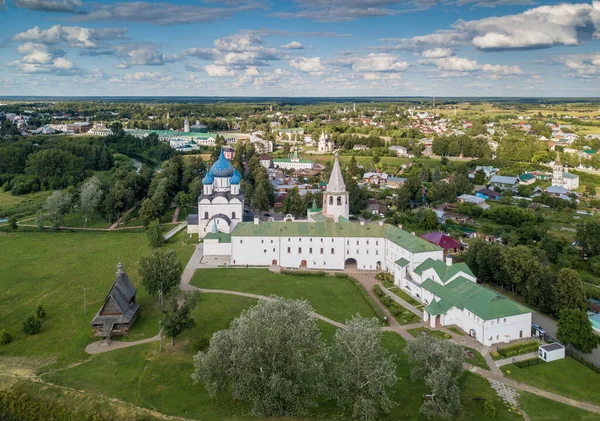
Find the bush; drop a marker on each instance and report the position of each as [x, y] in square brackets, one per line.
[495, 355]
[490, 409]
[12, 222]
[341, 275]
[40, 312]
[518, 349]
[200, 344]
[31, 325]
[378, 291]
[304, 272]
[5, 337]
[155, 235]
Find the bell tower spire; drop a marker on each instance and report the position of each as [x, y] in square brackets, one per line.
[336, 198]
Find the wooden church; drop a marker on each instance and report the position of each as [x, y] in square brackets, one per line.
[119, 310]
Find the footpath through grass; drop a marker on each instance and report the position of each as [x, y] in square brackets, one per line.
[336, 298]
[565, 377]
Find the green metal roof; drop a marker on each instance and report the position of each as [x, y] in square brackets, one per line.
[402, 262]
[438, 307]
[526, 177]
[304, 161]
[402, 238]
[463, 293]
[319, 217]
[444, 271]
[569, 175]
[221, 236]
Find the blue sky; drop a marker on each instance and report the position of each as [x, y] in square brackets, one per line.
[300, 47]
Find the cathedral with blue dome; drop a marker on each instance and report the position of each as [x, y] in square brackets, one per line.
[221, 203]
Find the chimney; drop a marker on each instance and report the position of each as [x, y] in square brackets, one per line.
[256, 219]
[449, 259]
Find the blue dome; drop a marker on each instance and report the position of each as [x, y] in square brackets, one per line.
[221, 168]
[236, 177]
[208, 179]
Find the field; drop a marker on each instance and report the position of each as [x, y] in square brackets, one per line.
[565, 377]
[336, 298]
[24, 205]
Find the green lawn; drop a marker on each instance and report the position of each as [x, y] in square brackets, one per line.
[565, 377]
[406, 297]
[77, 219]
[336, 298]
[542, 409]
[435, 333]
[53, 269]
[478, 360]
[24, 205]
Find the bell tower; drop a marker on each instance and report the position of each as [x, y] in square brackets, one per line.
[336, 199]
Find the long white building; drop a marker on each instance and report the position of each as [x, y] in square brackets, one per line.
[329, 241]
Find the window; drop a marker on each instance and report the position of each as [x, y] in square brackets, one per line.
[273, 250]
[367, 251]
[310, 250]
[271, 241]
[332, 251]
[376, 243]
[357, 242]
[289, 249]
[347, 251]
[367, 242]
[310, 239]
[299, 249]
[241, 241]
[347, 242]
[339, 200]
[504, 320]
[497, 337]
[377, 252]
[331, 200]
[289, 239]
[265, 250]
[357, 252]
[492, 323]
[205, 215]
[321, 250]
[299, 240]
[321, 240]
[262, 241]
[232, 215]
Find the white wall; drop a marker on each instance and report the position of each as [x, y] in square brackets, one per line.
[214, 248]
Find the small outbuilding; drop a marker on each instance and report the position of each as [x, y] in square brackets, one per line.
[551, 352]
[119, 311]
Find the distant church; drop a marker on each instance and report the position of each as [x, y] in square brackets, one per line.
[560, 178]
[325, 143]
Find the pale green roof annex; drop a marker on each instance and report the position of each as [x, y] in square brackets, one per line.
[400, 237]
[444, 271]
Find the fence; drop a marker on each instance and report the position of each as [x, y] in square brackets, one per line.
[579, 358]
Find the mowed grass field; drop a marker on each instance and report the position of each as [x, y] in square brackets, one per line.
[53, 269]
[336, 298]
[565, 377]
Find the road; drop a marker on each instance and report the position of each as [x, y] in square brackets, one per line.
[550, 326]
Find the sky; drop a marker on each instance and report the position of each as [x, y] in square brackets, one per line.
[300, 48]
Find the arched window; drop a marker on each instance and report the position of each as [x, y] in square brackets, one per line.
[331, 200]
[339, 200]
[205, 215]
[232, 215]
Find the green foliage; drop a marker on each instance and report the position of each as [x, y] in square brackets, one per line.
[12, 223]
[510, 215]
[31, 325]
[490, 409]
[176, 315]
[271, 356]
[5, 337]
[588, 235]
[304, 272]
[161, 269]
[155, 235]
[362, 371]
[341, 275]
[575, 328]
[568, 291]
[40, 312]
[90, 196]
[56, 206]
[294, 204]
[200, 343]
[518, 349]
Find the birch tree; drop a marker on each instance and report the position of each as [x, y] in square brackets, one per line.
[90, 196]
[362, 371]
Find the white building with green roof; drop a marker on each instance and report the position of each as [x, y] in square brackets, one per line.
[452, 296]
[294, 162]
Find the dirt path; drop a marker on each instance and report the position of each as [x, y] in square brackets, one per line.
[101, 346]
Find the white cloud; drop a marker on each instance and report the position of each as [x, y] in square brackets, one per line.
[437, 52]
[378, 63]
[63, 63]
[313, 65]
[65, 6]
[34, 53]
[75, 36]
[294, 45]
[541, 27]
[214, 70]
[454, 66]
[584, 67]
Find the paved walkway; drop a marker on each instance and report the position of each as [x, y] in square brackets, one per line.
[100, 346]
[401, 301]
[175, 230]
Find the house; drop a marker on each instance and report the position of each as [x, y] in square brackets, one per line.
[119, 310]
[395, 182]
[376, 207]
[551, 352]
[266, 161]
[488, 194]
[444, 241]
[488, 170]
[527, 178]
[399, 150]
[504, 182]
[375, 178]
[467, 198]
[451, 295]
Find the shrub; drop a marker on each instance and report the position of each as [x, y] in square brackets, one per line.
[5, 337]
[518, 349]
[200, 343]
[395, 311]
[490, 409]
[495, 355]
[31, 325]
[40, 312]
[378, 291]
[341, 275]
[12, 223]
[304, 272]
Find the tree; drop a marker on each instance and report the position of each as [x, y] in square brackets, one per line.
[5, 337]
[445, 395]
[182, 201]
[12, 223]
[519, 265]
[176, 316]
[575, 328]
[271, 356]
[568, 291]
[31, 325]
[362, 370]
[148, 212]
[90, 196]
[294, 204]
[56, 206]
[155, 235]
[427, 220]
[40, 312]
[588, 235]
[162, 269]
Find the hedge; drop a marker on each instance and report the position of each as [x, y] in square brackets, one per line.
[518, 349]
[304, 272]
[341, 275]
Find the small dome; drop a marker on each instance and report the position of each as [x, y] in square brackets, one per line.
[236, 177]
[208, 179]
[222, 167]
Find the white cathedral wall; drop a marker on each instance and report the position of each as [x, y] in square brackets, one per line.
[367, 252]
